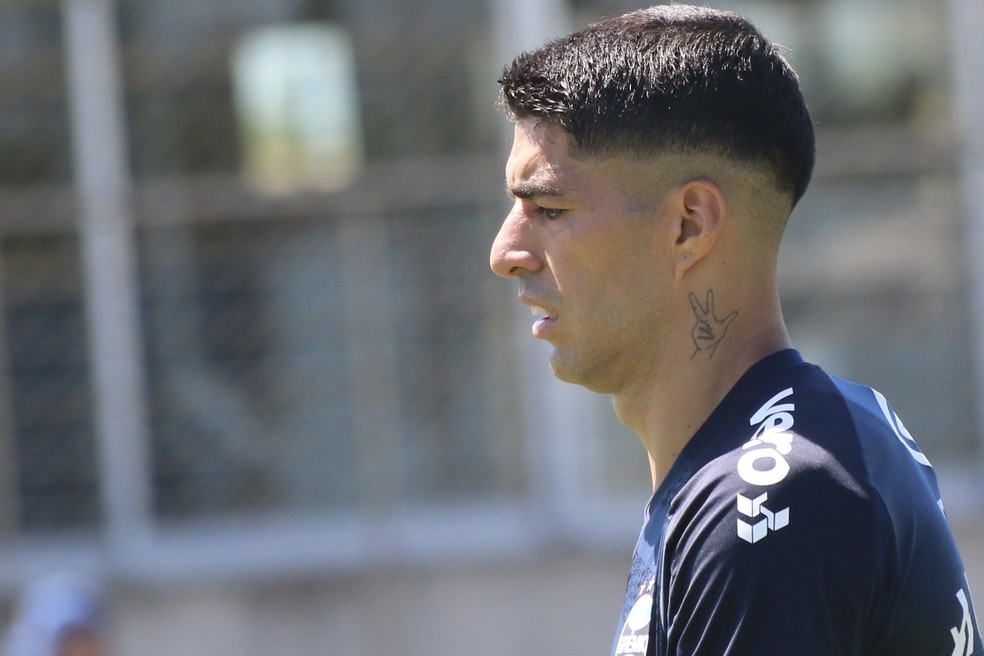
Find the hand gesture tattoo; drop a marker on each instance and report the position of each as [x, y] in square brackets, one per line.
[708, 330]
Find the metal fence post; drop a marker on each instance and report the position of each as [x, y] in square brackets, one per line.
[967, 64]
[108, 247]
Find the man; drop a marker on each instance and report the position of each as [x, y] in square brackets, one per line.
[62, 614]
[657, 157]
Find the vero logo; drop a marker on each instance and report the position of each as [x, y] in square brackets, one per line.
[763, 464]
[765, 520]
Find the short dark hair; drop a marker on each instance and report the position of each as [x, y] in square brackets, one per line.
[671, 78]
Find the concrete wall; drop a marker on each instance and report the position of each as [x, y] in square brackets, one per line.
[564, 604]
[555, 604]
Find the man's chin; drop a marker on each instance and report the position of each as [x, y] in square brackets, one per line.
[561, 367]
[567, 369]
[564, 374]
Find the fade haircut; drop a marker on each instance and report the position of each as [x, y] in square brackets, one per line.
[670, 79]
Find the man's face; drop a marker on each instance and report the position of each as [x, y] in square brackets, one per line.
[585, 238]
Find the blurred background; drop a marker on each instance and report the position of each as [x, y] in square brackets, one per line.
[257, 380]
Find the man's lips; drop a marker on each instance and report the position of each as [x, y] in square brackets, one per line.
[545, 320]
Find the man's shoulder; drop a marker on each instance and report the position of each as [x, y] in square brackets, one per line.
[812, 453]
[789, 426]
[795, 461]
[805, 425]
[811, 489]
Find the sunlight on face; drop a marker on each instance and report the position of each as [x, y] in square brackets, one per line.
[587, 255]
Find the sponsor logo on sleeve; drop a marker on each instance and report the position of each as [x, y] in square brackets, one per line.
[764, 464]
[761, 520]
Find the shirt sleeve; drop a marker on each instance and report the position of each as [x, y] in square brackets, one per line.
[789, 568]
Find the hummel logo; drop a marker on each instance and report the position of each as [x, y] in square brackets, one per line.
[752, 508]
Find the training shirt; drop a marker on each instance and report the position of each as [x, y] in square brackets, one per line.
[800, 520]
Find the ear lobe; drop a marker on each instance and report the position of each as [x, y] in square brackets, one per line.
[701, 210]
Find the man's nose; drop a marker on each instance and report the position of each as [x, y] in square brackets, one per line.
[512, 251]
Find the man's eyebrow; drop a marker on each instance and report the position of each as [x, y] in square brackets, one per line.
[532, 190]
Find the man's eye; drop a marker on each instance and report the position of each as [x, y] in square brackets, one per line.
[549, 213]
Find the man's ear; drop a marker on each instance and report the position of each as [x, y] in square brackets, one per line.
[700, 208]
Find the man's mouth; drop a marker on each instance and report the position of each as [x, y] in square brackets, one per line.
[544, 321]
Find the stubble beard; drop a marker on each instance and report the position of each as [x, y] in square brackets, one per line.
[593, 371]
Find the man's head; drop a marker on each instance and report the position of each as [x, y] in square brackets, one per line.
[656, 159]
[670, 79]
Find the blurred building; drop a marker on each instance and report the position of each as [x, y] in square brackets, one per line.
[254, 369]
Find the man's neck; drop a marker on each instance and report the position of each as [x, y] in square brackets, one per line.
[667, 410]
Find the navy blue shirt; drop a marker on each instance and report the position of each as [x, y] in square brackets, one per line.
[800, 520]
